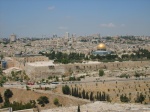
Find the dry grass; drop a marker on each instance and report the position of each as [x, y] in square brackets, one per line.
[116, 89]
[25, 96]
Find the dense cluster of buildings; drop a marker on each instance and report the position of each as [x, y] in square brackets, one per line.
[24, 53]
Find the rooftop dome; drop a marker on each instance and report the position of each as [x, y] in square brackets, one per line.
[101, 46]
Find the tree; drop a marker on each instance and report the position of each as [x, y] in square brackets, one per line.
[8, 93]
[140, 98]
[66, 89]
[1, 71]
[108, 98]
[83, 94]
[91, 96]
[101, 72]
[78, 108]
[87, 95]
[56, 101]
[43, 100]
[1, 99]
[124, 98]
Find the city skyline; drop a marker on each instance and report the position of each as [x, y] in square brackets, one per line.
[36, 18]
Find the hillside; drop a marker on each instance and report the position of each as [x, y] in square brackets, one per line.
[25, 96]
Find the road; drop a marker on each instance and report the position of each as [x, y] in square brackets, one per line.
[73, 82]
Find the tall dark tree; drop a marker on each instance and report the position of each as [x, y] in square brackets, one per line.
[100, 96]
[1, 99]
[79, 95]
[83, 94]
[87, 95]
[75, 92]
[91, 96]
[72, 93]
[1, 71]
[78, 108]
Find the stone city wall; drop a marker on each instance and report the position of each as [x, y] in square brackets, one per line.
[68, 69]
[41, 72]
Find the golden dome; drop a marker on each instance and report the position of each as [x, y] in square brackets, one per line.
[101, 46]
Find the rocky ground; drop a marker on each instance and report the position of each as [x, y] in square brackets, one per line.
[103, 107]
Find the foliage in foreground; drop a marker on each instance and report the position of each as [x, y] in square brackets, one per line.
[42, 100]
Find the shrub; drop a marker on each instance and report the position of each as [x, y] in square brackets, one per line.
[8, 93]
[56, 101]
[101, 72]
[140, 98]
[66, 89]
[42, 100]
[124, 98]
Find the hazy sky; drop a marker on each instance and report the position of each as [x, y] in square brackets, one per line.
[34, 18]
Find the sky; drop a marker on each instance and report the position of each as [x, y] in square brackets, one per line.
[43, 18]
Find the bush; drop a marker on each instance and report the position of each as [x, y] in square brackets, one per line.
[19, 106]
[124, 98]
[43, 100]
[56, 101]
[66, 89]
[140, 98]
[101, 72]
[8, 93]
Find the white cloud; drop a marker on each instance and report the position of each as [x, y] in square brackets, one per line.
[62, 28]
[51, 7]
[109, 25]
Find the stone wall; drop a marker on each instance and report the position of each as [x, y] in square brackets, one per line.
[38, 72]
[41, 72]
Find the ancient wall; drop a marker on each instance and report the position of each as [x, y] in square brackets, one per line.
[41, 72]
[67, 69]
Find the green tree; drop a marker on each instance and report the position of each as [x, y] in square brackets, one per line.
[87, 95]
[91, 96]
[1, 99]
[101, 72]
[8, 93]
[124, 98]
[56, 101]
[66, 89]
[43, 100]
[78, 108]
[108, 98]
[1, 71]
[83, 94]
[140, 98]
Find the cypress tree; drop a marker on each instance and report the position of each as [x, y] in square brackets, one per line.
[77, 94]
[1, 99]
[104, 97]
[83, 94]
[100, 96]
[91, 96]
[87, 95]
[78, 108]
[97, 97]
[72, 92]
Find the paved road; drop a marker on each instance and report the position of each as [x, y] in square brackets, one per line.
[74, 82]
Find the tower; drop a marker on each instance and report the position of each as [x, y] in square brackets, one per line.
[12, 38]
[67, 35]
